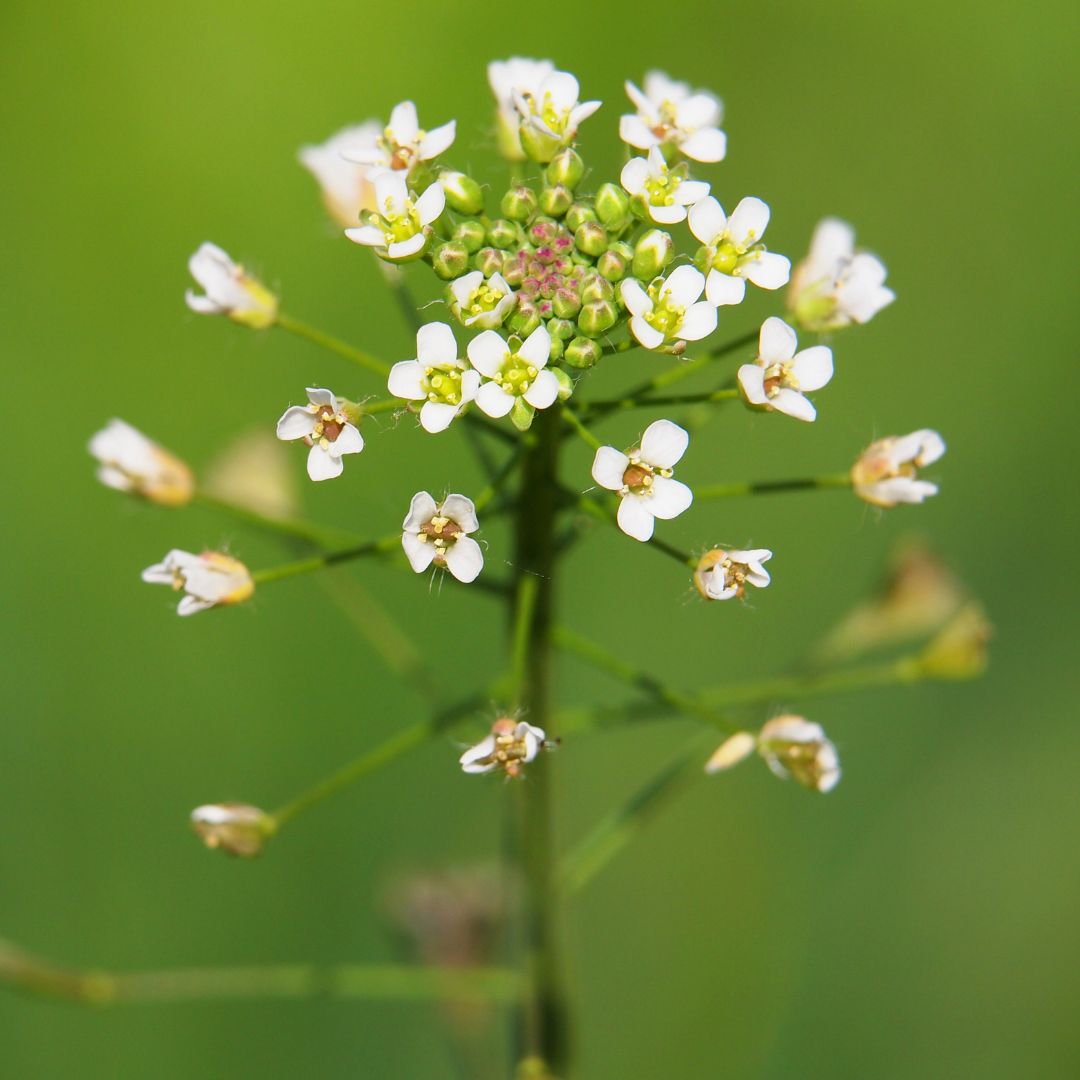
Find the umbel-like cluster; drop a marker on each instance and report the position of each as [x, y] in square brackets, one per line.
[544, 283]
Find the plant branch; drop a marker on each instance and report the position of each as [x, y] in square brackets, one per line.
[773, 487]
[327, 558]
[320, 535]
[333, 344]
[595, 510]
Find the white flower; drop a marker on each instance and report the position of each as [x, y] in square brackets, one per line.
[733, 251]
[796, 748]
[669, 114]
[436, 377]
[398, 227]
[516, 76]
[510, 745]
[208, 579]
[779, 375]
[324, 425]
[131, 462]
[670, 310]
[229, 290]
[235, 828]
[439, 534]
[403, 142]
[347, 188]
[663, 192]
[721, 575]
[510, 377]
[731, 751]
[550, 114]
[642, 477]
[481, 302]
[834, 286]
[886, 472]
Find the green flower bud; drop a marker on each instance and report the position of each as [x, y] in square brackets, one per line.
[525, 319]
[519, 204]
[502, 233]
[450, 260]
[591, 237]
[578, 214]
[555, 201]
[566, 384]
[561, 329]
[613, 265]
[566, 304]
[558, 346]
[463, 193]
[594, 287]
[597, 317]
[470, 233]
[538, 146]
[582, 353]
[653, 252]
[703, 259]
[566, 168]
[488, 260]
[613, 206]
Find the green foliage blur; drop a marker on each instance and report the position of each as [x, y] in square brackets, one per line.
[919, 922]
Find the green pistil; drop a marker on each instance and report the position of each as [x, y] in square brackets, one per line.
[665, 316]
[483, 300]
[442, 385]
[661, 189]
[517, 375]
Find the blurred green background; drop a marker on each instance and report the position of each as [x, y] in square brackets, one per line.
[920, 922]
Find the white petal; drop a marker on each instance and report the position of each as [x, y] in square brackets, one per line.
[902, 489]
[404, 380]
[707, 220]
[581, 112]
[462, 287]
[777, 341]
[748, 222]
[543, 391]
[667, 215]
[402, 249]
[731, 751]
[494, 400]
[723, 289]
[768, 270]
[635, 132]
[640, 100]
[436, 416]
[319, 395]
[478, 753]
[420, 553]
[422, 509]
[563, 88]
[684, 285]
[698, 322]
[634, 174]
[391, 192]
[752, 380]
[635, 297]
[462, 509]
[203, 305]
[707, 145]
[833, 242]
[435, 343]
[647, 335]
[437, 140]
[368, 235]
[470, 383]
[295, 423]
[349, 441]
[431, 204]
[663, 444]
[697, 111]
[608, 467]
[404, 125]
[932, 447]
[690, 192]
[192, 605]
[669, 498]
[813, 367]
[792, 403]
[635, 519]
[487, 353]
[465, 559]
[536, 348]
[322, 465]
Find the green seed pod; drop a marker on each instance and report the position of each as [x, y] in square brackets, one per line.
[518, 204]
[463, 193]
[555, 201]
[450, 260]
[582, 353]
[566, 168]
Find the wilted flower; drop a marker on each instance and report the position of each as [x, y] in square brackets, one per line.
[479, 302]
[439, 534]
[514, 379]
[642, 478]
[779, 376]
[721, 575]
[733, 253]
[512, 78]
[550, 114]
[235, 828]
[510, 745]
[834, 286]
[402, 142]
[663, 193]
[670, 310]
[436, 377]
[208, 579]
[398, 228]
[229, 290]
[131, 462]
[672, 117]
[886, 472]
[324, 424]
[795, 748]
[347, 188]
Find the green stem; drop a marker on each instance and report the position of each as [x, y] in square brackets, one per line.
[402, 296]
[586, 435]
[595, 510]
[499, 477]
[333, 344]
[773, 487]
[328, 558]
[603, 408]
[320, 535]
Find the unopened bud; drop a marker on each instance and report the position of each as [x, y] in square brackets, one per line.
[131, 462]
[595, 287]
[731, 751]
[566, 168]
[235, 828]
[566, 383]
[612, 206]
[470, 233]
[578, 214]
[562, 329]
[597, 317]
[463, 193]
[566, 304]
[556, 200]
[488, 261]
[519, 203]
[613, 265]
[652, 253]
[502, 233]
[591, 238]
[582, 353]
[526, 317]
[450, 260]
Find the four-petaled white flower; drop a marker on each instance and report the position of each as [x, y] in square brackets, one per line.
[439, 534]
[733, 252]
[326, 426]
[517, 76]
[437, 377]
[509, 376]
[229, 290]
[664, 193]
[642, 477]
[835, 286]
[479, 302]
[669, 114]
[131, 462]
[510, 745]
[779, 376]
[208, 579]
[670, 310]
[721, 575]
[885, 473]
[550, 114]
[798, 749]
[398, 228]
[347, 188]
[402, 142]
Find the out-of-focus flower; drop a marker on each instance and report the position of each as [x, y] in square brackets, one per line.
[402, 143]
[672, 117]
[439, 533]
[733, 253]
[661, 192]
[131, 462]
[347, 188]
[512, 378]
[721, 575]
[229, 290]
[479, 302]
[324, 424]
[235, 828]
[444, 383]
[795, 748]
[510, 745]
[886, 472]
[643, 478]
[254, 471]
[207, 580]
[780, 376]
[509, 79]
[398, 228]
[670, 310]
[550, 115]
[731, 751]
[958, 651]
[835, 286]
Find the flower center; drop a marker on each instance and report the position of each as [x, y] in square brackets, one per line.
[553, 117]
[399, 227]
[726, 257]
[483, 300]
[666, 316]
[779, 377]
[328, 425]
[661, 189]
[638, 477]
[441, 532]
[442, 384]
[516, 375]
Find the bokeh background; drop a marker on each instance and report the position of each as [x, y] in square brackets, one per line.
[920, 922]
